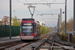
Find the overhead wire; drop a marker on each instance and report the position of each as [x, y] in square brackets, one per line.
[20, 1]
[49, 7]
[50, 4]
[39, 1]
[26, 1]
[48, 22]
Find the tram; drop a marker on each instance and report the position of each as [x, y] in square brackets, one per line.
[30, 30]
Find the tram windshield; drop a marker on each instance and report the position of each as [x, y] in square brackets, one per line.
[27, 28]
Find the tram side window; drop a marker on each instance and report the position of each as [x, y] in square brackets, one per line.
[38, 29]
[35, 27]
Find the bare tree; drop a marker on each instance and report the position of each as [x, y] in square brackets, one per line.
[5, 20]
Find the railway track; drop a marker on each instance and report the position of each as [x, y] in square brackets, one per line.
[17, 45]
[14, 45]
[46, 42]
[55, 44]
[36, 45]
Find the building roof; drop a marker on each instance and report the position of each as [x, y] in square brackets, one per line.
[0, 19]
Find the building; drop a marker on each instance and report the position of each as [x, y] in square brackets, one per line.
[1, 21]
[42, 23]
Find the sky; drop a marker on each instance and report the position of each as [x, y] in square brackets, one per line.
[22, 11]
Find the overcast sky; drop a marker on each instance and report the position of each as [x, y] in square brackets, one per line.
[21, 10]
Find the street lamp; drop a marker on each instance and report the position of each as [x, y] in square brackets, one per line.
[31, 12]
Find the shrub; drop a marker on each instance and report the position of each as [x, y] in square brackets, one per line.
[73, 39]
[62, 36]
[44, 29]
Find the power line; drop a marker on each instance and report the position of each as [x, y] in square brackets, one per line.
[48, 14]
[20, 1]
[26, 1]
[39, 1]
[50, 5]
[47, 22]
[51, 2]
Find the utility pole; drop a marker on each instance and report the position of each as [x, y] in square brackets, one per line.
[60, 19]
[65, 15]
[58, 22]
[74, 17]
[10, 18]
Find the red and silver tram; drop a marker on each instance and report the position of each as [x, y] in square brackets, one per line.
[30, 30]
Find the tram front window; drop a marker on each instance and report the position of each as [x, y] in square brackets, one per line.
[27, 28]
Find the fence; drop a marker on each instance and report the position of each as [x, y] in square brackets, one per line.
[5, 30]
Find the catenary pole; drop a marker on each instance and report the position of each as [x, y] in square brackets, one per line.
[60, 17]
[74, 17]
[65, 15]
[10, 18]
[58, 22]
